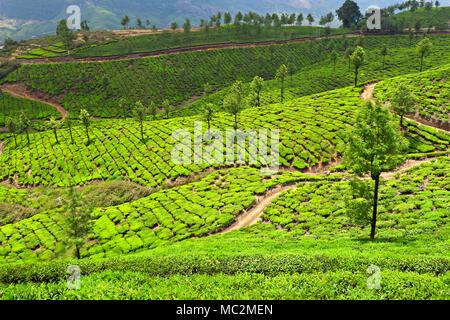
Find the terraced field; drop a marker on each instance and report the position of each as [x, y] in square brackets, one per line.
[307, 139]
[431, 89]
[98, 87]
[12, 107]
[416, 201]
[168, 228]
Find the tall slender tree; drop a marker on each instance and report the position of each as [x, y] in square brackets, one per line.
[375, 146]
[357, 59]
[140, 112]
[233, 101]
[77, 218]
[25, 124]
[423, 49]
[403, 101]
[256, 86]
[68, 123]
[54, 125]
[12, 127]
[153, 110]
[281, 75]
[166, 108]
[384, 53]
[85, 118]
[208, 113]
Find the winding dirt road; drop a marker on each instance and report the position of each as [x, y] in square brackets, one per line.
[367, 95]
[251, 216]
[20, 90]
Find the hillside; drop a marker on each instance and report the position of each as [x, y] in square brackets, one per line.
[23, 19]
[271, 164]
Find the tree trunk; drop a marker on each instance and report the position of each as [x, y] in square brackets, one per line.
[56, 136]
[356, 77]
[28, 136]
[421, 63]
[70, 132]
[401, 121]
[259, 99]
[375, 208]
[383, 61]
[77, 249]
[87, 134]
[15, 139]
[282, 90]
[142, 131]
[235, 121]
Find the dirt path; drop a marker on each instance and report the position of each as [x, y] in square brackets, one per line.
[251, 216]
[367, 95]
[20, 90]
[411, 163]
[2, 147]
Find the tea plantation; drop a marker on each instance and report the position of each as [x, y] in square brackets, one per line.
[430, 88]
[307, 139]
[99, 86]
[162, 230]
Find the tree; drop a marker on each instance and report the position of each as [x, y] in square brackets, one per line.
[218, 20]
[310, 18]
[300, 19]
[65, 34]
[410, 36]
[12, 127]
[384, 53]
[77, 217]
[233, 101]
[437, 4]
[347, 55]
[153, 110]
[357, 59]
[349, 13]
[428, 6]
[174, 26]
[85, 118]
[140, 112]
[84, 26]
[208, 113]
[402, 101]
[281, 75]
[24, 124]
[187, 26]
[124, 106]
[423, 49]
[68, 122]
[238, 18]
[139, 23]
[125, 21]
[374, 146]
[333, 58]
[166, 108]
[227, 18]
[54, 125]
[256, 86]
